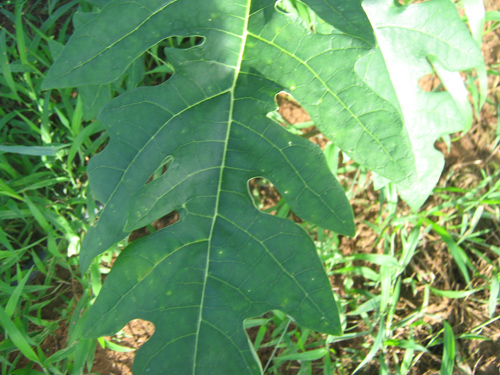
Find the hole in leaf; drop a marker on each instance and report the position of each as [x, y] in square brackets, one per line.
[430, 83]
[162, 168]
[291, 110]
[158, 68]
[161, 223]
[264, 332]
[182, 42]
[133, 336]
[296, 120]
[267, 198]
[264, 194]
[311, 20]
[99, 142]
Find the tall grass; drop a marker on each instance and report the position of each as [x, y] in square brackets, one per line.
[45, 207]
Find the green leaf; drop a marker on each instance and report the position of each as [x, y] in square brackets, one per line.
[475, 12]
[279, 54]
[224, 261]
[347, 16]
[410, 38]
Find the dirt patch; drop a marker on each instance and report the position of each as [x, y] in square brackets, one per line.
[133, 335]
[293, 113]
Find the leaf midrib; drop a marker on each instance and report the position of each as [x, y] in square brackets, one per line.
[221, 173]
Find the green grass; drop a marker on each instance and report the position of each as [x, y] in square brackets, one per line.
[402, 283]
[44, 205]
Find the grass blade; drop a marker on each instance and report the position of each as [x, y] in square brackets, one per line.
[453, 293]
[448, 361]
[310, 355]
[494, 289]
[17, 337]
[5, 68]
[456, 251]
[375, 347]
[14, 298]
[33, 150]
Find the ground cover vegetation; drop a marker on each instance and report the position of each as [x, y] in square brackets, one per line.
[192, 155]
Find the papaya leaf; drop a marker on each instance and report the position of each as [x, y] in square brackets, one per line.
[413, 41]
[346, 16]
[223, 261]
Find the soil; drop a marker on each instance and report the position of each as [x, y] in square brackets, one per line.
[470, 154]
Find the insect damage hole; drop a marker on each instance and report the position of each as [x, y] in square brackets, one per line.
[133, 336]
[294, 118]
[163, 222]
[267, 198]
[157, 65]
[162, 169]
[430, 83]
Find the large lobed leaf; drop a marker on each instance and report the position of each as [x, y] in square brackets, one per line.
[413, 41]
[224, 261]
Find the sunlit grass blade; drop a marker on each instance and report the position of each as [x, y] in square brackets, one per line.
[114, 346]
[310, 355]
[448, 360]
[82, 136]
[453, 293]
[475, 12]
[493, 300]
[37, 214]
[377, 344]
[407, 361]
[259, 337]
[406, 344]
[384, 369]
[476, 16]
[386, 273]
[368, 306]
[20, 37]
